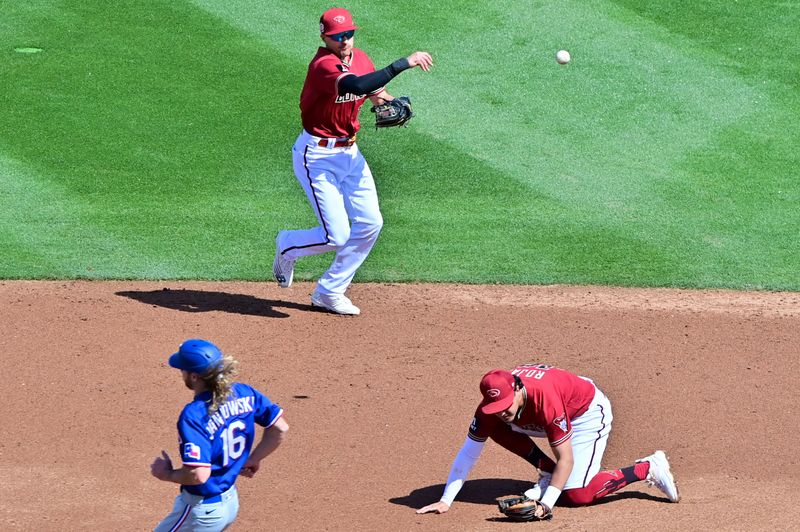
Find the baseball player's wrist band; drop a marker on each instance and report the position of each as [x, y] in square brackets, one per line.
[551, 495]
[398, 66]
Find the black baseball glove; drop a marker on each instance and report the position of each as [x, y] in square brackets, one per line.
[521, 508]
[393, 113]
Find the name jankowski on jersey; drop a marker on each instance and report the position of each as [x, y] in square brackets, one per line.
[240, 405]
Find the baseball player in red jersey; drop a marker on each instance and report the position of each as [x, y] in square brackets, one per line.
[575, 417]
[329, 165]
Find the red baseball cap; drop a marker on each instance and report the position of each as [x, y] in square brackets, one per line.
[497, 388]
[336, 20]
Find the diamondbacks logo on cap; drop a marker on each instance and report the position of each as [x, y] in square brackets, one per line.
[338, 19]
[493, 392]
[321, 27]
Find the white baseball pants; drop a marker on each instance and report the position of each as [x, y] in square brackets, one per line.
[339, 186]
[590, 433]
[192, 513]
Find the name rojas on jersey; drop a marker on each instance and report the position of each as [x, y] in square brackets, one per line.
[234, 407]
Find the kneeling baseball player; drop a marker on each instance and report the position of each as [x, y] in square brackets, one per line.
[575, 416]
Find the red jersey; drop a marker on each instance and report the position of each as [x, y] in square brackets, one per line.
[323, 111]
[554, 398]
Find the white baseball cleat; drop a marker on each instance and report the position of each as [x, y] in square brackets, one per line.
[537, 490]
[282, 268]
[335, 303]
[660, 476]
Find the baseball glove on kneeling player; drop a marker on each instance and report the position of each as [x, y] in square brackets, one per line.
[393, 113]
[521, 508]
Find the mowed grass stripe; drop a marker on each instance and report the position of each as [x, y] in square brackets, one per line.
[42, 226]
[26, 204]
[160, 143]
[494, 229]
[741, 189]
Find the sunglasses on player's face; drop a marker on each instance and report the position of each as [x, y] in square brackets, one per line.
[341, 37]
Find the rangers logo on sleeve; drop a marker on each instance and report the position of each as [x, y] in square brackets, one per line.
[191, 450]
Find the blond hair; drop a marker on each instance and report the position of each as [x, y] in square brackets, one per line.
[219, 380]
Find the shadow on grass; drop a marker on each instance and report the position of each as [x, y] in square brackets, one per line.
[204, 301]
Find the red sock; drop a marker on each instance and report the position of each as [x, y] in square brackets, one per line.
[604, 483]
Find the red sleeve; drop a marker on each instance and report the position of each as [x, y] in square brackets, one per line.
[484, 427]
[480, 428]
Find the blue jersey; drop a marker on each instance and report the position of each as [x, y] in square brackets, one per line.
[223, 440]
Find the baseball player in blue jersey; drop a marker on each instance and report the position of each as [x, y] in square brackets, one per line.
[216, 434]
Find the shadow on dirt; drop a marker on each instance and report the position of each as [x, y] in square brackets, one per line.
[487, 490]
[478, 491]
[202, 301]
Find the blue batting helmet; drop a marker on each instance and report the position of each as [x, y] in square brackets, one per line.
[196, 356]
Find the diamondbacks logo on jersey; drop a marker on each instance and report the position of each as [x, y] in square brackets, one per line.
[474, 425]
[561, 422]
[191, 450]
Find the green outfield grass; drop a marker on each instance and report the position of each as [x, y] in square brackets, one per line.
[152, 140]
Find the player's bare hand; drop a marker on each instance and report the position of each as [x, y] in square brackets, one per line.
[250, 469]
[161, 466]
[437, 507]
[421, 59]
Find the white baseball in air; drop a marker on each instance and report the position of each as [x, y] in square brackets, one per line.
[562, 57]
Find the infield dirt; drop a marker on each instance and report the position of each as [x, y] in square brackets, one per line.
[379, 404]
